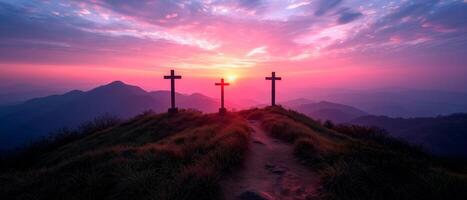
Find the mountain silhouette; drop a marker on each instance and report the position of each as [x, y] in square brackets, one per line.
[396, 102]
[296, 102]
[325, 110]
[35, 118]
[442, 135]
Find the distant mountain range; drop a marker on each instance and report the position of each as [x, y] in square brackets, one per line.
[324, 110]
[11, 94]
[38, 117]
[394, 102]
[443, 135]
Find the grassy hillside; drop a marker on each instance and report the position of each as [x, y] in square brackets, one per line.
[151, 156]
[184, 156]
[363, 163]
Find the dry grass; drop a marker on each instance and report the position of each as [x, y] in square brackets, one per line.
[183, 156]
[363, 163]
[312, 142]
[153, 156]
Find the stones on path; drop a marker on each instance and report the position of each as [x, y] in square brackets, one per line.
[279, 170]
[270, 172]
[253, 195]
[258, 142]
[269, 166]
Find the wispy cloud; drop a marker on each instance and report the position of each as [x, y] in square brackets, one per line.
[256, 51]
[298, 4]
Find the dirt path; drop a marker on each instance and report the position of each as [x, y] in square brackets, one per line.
[270, 172]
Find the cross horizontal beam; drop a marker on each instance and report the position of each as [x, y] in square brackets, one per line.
[274, 78]
[173, 77]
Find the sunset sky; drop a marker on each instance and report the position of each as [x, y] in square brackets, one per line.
[310, 43]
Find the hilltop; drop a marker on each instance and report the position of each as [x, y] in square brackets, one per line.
[191, 155]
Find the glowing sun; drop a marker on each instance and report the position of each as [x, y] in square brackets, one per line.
[231, 78]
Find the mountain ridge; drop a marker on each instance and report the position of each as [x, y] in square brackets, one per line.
[325, 110]
[47, 114]
[442, 135]
[39, 117]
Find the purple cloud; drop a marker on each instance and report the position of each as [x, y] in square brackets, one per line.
[347, 16]
[326, 5]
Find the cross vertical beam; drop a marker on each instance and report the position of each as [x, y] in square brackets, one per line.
[172, 78]
[222, 110]
[273, 79]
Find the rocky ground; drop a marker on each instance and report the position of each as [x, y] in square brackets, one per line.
[270, 172]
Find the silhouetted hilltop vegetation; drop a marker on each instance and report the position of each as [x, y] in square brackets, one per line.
[186, 155]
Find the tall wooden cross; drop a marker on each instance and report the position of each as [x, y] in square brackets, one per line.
[222, 110]
[273, 79]
[172, 78]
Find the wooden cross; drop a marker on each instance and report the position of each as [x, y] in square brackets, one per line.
[273, 79]
[222, 110]
[172, 78]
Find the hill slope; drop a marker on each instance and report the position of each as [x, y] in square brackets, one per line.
[188, 155]
[149, 157]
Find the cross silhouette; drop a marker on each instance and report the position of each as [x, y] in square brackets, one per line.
[222, 110]
[273, 79]
[172, 78]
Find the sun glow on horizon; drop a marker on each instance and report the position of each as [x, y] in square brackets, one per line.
[231, 78]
